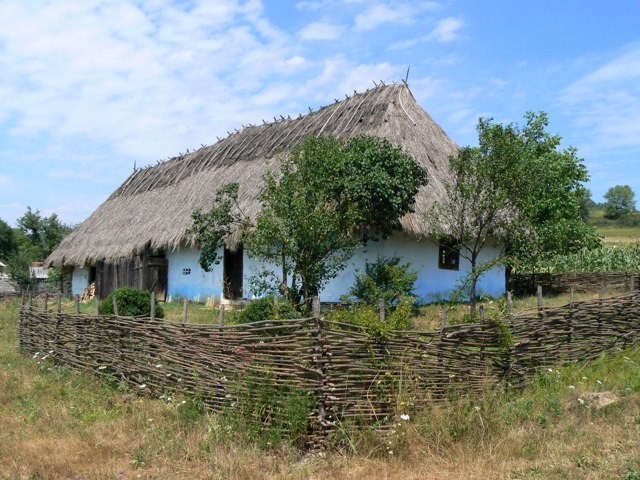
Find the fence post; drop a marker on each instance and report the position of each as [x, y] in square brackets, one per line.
[600, 305]
[185, 306]
[46, 301]
[115, 305]
[570, 317]
[77, 303]
[510, 307]
[222, 315]
[59, 302]
[381, 312]
[24, 298]
[443, 319]
[30, 300]
[540, 302]
[152, 309]
[321, 369]
[97, 299]
[481, 309]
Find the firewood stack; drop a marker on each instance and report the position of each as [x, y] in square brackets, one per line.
[88, 293]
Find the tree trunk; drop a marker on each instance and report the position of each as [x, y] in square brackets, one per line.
[472, 288]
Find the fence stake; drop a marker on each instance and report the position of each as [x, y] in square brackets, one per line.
[571, 294]
[97, 299]
[30, 300]
[46, 301]
[222, 315]
[540, 302]
[24, 297]
[481, 308]
[600, 303]
[185, 306]
[59, 302]
[77, 303]
[631, 282]
[320, 367]
[115, 305]
[152, 310]
[381, 313]
[510, 306]
[443, 318]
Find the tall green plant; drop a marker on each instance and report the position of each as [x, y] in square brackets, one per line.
[386, 279]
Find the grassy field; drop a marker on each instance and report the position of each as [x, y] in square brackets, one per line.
[612, 231]
[59, 424]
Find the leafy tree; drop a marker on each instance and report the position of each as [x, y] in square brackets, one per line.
[8, 243]
[44, 232]
[328, 195]
[620, 201]
[586, 204]
[518, 188]
[474, 210]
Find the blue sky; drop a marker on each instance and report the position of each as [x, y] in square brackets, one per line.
[90, 87]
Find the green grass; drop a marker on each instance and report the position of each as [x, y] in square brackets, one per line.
[613, 231]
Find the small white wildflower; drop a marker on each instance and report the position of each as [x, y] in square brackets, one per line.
[404, 416]
[584, 378]
[390, 452]
[50, 351]
[476, 408]
[183, 402]
[102, 367]
[168, 399]
[35, 355]
[144, 385]
[572, 387]
[228, 395]
[168, 375]
[581, 401]
[598, 382]
[550, 370]
[159, 365]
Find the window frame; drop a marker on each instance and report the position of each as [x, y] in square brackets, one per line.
[447, 250]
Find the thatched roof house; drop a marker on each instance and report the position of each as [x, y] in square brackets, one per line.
[151, 210]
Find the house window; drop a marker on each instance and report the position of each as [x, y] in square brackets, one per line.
[448, 255]
[186, 271]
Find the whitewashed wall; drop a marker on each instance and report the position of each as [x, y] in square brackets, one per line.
[197, 285]
[79, 280]
[432, 284]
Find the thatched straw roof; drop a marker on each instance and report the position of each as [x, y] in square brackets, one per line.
[152, 208]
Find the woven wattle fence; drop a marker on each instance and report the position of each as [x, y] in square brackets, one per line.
[338, 372]
[527, 283]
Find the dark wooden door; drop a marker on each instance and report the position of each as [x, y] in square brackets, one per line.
[232, 277]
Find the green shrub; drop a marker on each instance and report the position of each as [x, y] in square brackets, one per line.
[367, 318]
[267, 308]
[131, 302]
[385, 278]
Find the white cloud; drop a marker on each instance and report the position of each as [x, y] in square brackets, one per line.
[605, 103]
[377, 15]
[321, 31]
[446, 29]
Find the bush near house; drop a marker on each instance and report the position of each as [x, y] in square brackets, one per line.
[131, 302]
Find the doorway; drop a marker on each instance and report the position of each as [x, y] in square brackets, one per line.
[232, 273]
